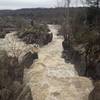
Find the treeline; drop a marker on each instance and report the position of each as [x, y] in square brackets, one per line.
[41, 15]
[15, 20]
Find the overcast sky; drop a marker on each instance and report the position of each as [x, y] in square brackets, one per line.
[17, 4]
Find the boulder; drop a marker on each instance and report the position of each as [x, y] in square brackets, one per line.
[12, 86]
[95, 94]
[27, 59]
[49, 37]
[64, 44]
[98, 70]
[93, 70]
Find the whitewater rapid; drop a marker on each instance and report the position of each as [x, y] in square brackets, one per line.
[51, 78]
[14, 46]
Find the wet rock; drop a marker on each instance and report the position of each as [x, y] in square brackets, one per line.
[93, 70]
[28, 58]
[41, 39]
[48, 38]
[95, 94]
[64, 45]
[98, 70]
[12, 86]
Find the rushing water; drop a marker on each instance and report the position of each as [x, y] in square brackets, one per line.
[50, 56]
[50, 78]
[14, 47]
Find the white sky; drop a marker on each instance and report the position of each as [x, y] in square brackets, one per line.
[17, 4]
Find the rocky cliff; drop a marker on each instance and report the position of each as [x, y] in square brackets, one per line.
[12, 86]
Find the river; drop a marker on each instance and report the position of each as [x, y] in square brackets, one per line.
[51, 78]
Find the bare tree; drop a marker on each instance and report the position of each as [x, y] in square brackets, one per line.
[58, 3]
[66, 6]
[67, 22]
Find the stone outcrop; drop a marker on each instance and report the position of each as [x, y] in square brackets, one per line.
[48, 38]
[93, 70]
[12, 86]
[95, 94]
[41, 39]
[65, 44]
[28, 58]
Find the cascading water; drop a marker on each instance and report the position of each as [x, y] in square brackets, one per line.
[50, 78]
[50, 56]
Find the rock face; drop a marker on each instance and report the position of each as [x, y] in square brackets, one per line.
[93, 70]
[11, 79]
[41, 39]
[95, 94]
[28, 59]
[65, 44]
